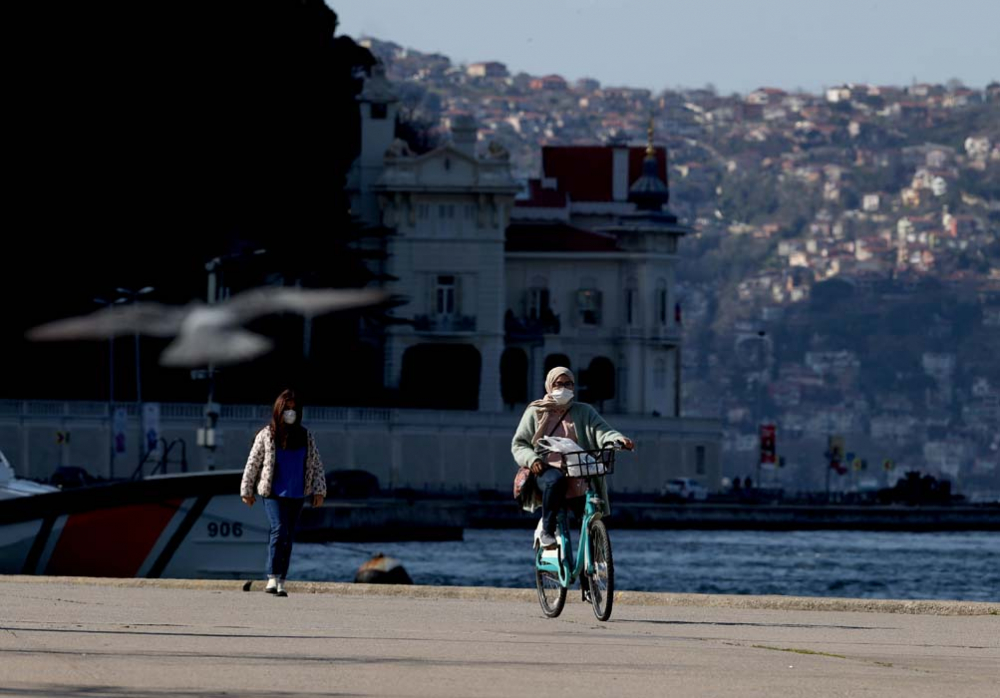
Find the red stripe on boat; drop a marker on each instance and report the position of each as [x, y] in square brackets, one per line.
[110, 542]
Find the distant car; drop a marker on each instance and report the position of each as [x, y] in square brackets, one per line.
[685, 489]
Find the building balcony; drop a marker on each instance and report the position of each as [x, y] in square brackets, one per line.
[445, 324]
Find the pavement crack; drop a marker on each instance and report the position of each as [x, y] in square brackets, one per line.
[798, 651]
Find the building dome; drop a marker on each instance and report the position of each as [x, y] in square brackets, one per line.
[649, 192]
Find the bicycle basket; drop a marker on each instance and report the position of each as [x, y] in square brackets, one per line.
[600, 461]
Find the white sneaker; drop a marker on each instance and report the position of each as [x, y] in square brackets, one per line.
[547, 540]
[272, 585]
[280, 590]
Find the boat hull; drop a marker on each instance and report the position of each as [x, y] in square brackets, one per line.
[181, 526]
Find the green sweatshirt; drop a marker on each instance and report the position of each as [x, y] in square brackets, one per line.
[592, 432]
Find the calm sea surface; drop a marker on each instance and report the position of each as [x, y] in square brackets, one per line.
[959, 566]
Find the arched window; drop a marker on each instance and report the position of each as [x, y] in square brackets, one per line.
[598, 381]
[514, 376]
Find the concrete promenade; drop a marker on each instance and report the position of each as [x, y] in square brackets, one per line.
[144, 638]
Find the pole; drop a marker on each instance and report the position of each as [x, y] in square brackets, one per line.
[111, 407]
[757, 409]
[111, 392]
[138, 373]
[132, 295]
[210, 412]
[138, 402]
[759, 421]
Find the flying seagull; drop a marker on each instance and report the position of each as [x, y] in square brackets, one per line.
[207, 334]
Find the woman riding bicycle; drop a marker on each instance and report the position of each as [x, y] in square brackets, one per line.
[557, 414]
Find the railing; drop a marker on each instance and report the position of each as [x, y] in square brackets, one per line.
[162, 450]
[193, 413]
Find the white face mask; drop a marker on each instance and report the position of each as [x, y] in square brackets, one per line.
[288, 416]
[562, 395]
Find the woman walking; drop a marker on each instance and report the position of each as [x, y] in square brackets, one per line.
[285, 469]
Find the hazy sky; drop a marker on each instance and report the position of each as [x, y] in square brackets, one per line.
[737, 45]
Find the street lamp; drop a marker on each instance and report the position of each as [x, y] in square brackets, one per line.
[128, 295]
[207, 435]
[111, 391]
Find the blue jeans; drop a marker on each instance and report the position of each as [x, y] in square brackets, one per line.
[553, 483]
[283, 513]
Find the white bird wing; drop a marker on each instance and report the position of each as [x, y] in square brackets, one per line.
[220, 347]
[153, 319]
[304, 301]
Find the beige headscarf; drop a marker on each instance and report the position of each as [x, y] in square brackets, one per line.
[548, 411]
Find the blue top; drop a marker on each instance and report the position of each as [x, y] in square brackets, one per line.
[290, 478]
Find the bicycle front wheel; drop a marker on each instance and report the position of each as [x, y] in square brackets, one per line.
[602, 581]
[551, 593]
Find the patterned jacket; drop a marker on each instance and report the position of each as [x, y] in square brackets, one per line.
[259, 469]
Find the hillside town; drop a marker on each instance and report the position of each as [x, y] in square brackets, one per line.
[844, 260]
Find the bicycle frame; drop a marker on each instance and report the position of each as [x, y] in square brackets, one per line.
[560, 563]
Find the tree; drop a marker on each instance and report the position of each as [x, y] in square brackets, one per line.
[198, 129]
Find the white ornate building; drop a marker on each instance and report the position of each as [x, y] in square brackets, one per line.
[579, 271]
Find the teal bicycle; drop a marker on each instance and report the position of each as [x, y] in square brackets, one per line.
[555, 568]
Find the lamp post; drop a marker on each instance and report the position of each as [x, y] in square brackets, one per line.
[759, 418]
[127, 295]
[111, 392]
[207, 436]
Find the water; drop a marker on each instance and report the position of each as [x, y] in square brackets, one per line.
[958, 566]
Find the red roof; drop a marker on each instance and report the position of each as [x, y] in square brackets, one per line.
[586, 173]
[543, 197]
[557, 237]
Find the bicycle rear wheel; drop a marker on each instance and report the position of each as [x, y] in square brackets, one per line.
[551, 593]
[602, 581]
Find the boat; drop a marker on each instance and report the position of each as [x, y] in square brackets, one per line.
[186, 525]
[182, 525]
[12, 486]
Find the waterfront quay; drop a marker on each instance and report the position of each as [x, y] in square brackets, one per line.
[145, 638]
